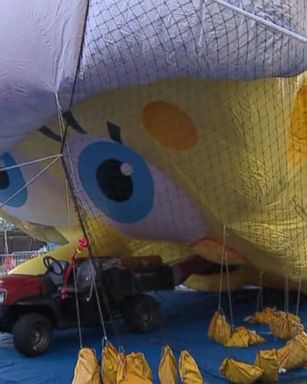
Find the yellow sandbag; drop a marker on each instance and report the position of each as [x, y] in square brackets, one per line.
[243, 337]
[239, 338]
[138, 365]
[285, 325]
[294, 354]
[263, 317]
[188, 369]
[167, 367]
[255, 338]
[133, 369]
[109, 364]
[239, 372]
[87, 369]
[219, 329]
[291, 316]
[268, 361]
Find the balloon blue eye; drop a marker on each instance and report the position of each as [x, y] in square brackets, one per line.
[118, 181]
[10, 182]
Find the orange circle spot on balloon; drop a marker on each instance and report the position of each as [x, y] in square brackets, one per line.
[169, 125]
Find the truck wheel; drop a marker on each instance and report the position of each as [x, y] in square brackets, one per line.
[32, 334]
[141, 313]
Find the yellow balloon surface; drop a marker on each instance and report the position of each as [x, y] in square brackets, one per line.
[201, 166]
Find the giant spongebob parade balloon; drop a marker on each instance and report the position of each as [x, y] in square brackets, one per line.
[182, 127]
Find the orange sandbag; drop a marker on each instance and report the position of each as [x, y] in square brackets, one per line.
[243, 337]
[87, 369]
[268, 361]
[294, 354]
[109, 364]
[219, 329]
[133, 369]
[188, 369]
[263, 317]
[240, 373]
[167, 367]
[285, 325]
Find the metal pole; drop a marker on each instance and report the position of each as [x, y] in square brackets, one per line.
[6, 246]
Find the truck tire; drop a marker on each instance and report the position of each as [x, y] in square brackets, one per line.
[32, 334]
[141, 313]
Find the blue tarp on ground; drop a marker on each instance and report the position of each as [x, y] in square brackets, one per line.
[185, 319]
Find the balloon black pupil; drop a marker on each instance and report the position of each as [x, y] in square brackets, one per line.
[112, 182]
[4, 180]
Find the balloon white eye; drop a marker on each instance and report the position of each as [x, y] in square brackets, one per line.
[126, 169]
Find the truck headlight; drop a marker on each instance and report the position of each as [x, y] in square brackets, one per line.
[2, 297]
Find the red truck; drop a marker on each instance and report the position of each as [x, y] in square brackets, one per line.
[31, 306]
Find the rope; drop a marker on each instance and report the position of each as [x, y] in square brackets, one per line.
[105, 338]
[31, 180]
[260, 20]
[71, 186]
[286, 293]
[29, 162]
[77, 306]
[63, 131]
[62, 124]
[90, 261]
[224, 259]
[69, 176]
[299, 295]
[221, 281]
[287, 254]
[259, 305]
[68, 203]
[227, 277]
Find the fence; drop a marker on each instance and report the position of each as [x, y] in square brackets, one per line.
[10, 261]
